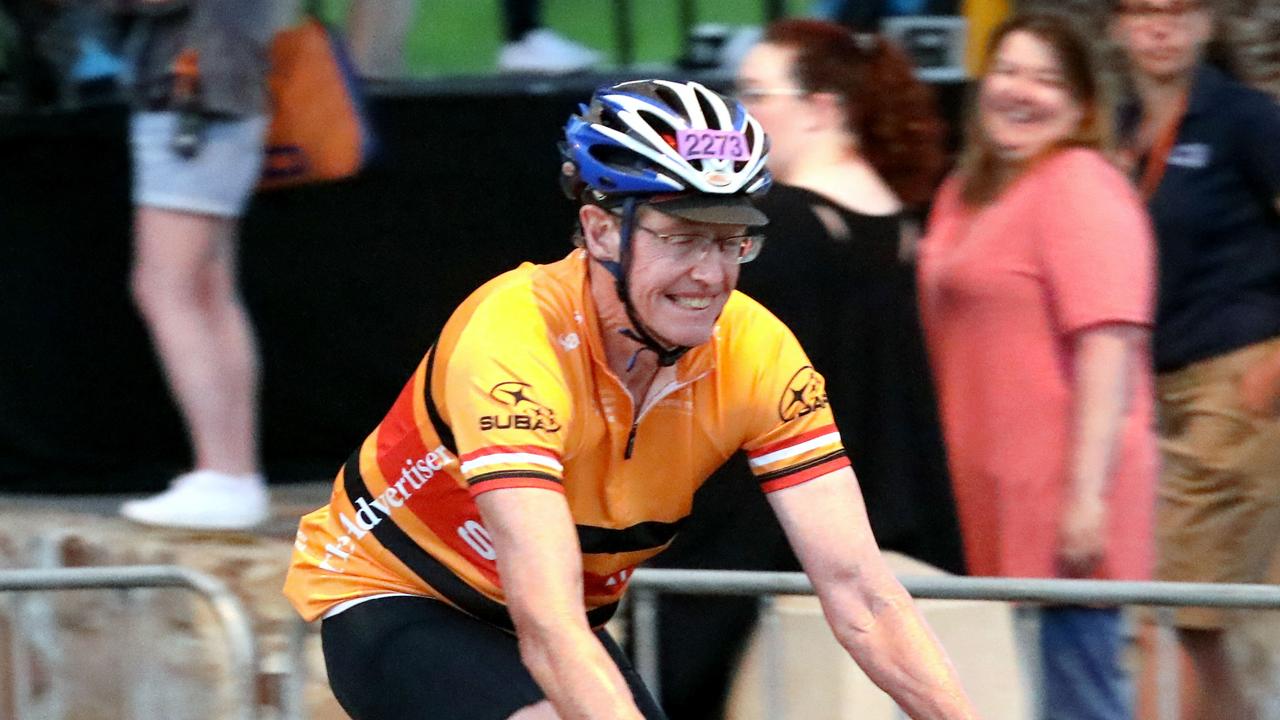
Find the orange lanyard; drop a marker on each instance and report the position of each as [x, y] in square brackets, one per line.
[1158, 158]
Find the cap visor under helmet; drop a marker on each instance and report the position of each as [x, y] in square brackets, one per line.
[726, 209]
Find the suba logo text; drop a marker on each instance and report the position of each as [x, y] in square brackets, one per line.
[525, 412]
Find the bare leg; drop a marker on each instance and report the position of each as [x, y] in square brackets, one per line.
[378, 30]
[1220, 693]
[1148, 702]
[184, 283]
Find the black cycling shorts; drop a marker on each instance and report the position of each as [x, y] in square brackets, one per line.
[403, 658]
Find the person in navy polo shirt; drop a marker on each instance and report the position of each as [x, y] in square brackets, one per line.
[1205, 151]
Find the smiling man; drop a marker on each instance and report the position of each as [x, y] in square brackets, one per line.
[553, 437]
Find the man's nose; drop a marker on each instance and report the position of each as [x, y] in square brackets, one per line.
[708, 261]
[1020, 84]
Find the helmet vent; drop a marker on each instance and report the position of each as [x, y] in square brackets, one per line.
[617, 158]
[608, 117]
[672, 99]
[708, 112]
[658, 123]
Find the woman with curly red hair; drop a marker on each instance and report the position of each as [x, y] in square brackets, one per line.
[856, 147]
[846, 115]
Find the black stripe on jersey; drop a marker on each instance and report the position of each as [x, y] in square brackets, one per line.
[642, 536]
[432, 571]
[500, 474]
[802, 466]
[433, 414]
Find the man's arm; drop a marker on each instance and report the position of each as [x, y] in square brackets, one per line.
[1104, 358]
[868, 610]
[540, 565]
[1260, 384]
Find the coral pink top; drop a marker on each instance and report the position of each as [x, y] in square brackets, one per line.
[1003, 290]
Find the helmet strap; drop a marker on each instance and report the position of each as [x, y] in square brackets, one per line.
[621, 270]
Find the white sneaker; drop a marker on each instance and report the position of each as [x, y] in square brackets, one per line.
[544, 51]
[204, 500]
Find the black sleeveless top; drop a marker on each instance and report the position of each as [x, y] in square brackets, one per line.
[843, 284]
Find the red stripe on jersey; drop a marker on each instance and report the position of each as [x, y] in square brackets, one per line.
[444, 505]
[500, 449]
[781, 444]
[442, 502]
[398, 423]
[805, 475]
[516, 482]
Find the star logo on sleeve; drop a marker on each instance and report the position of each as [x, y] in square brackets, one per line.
[805, 393]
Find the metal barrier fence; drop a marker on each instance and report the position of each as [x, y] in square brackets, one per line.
[647, 584]
[230, 612]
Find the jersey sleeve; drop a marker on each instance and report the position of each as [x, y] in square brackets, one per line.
[507, 399]
[1096, 245]
[791, 436]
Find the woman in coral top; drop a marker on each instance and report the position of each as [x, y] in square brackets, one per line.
[1037, 291]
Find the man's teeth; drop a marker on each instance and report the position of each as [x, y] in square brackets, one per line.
[1019, 115]
[700, 303]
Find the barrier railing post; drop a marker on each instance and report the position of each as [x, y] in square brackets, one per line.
[226, 606]
[772, 676]
[644, 630]
[139, 695]
[295, 679]
[1168, 668]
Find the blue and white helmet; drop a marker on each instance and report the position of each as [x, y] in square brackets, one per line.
[659, 139]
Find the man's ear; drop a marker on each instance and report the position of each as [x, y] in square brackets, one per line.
[599, 232]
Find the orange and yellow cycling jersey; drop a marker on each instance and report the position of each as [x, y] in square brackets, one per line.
[516, 392]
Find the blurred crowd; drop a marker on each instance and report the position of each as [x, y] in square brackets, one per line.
[73, 52]
[1062, 347]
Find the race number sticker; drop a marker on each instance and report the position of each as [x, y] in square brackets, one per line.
[712, 144]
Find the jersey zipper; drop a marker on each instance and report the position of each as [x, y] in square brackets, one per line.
[631, 440]
[635, 424]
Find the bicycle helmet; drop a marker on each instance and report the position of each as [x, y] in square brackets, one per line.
[677, 146]
[697, 153]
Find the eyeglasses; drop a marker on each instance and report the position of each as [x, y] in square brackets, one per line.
[1148, 12]
[738, 249]
[747, 94]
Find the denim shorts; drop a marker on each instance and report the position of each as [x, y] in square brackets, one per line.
[218, 180]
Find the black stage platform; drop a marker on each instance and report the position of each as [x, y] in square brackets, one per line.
[347, 282]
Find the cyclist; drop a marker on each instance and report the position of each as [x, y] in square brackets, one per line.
[552, 438]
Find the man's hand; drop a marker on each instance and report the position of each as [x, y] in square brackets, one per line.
[1082, 535]
[1260, 387]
